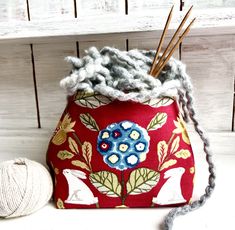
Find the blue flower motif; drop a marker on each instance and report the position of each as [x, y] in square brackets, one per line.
[123, 145]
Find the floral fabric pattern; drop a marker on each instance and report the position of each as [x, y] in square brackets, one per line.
[121, 154]
[63, 128]
[181, 128]
[123, 144]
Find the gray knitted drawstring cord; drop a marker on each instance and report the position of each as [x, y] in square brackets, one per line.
[123, 75]
[168, 222]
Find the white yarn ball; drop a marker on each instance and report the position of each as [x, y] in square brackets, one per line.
[25, 187]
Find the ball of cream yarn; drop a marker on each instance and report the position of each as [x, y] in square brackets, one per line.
[25, 187]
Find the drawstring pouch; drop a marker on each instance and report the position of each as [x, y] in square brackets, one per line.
[122, 139]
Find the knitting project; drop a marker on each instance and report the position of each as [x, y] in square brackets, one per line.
[123, 75]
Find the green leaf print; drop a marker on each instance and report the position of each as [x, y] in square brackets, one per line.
[64, 154]
[142, 180]
[157, 122]
[158, 102]
[107, 183]
[92, 100]
[89, 122]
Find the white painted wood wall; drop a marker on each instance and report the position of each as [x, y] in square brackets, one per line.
[32, 61]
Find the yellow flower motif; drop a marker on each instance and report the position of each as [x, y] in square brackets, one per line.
[181, 128]
[63, 128]
[105, 135]
[123, 147]
[113, 159]
[135, 135]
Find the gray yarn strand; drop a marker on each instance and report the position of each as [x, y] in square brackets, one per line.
[168, 222]
[122, 75]
[183, 105]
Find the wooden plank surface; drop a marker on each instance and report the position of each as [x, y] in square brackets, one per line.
[151, 44]
[51, 10]
[151, 6]
[17, 101]
[100, 7]
[50, 68]
[29, 143]
[210, 63]
[233, 122]
[202, 4]
[123, 26]
[13, 11]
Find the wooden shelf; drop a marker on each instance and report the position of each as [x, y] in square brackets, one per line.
[118, 26]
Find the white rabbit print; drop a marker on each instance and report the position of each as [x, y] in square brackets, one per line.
[79, 192]
[170, 192]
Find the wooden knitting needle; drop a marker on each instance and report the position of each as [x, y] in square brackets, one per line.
[171, 41]
[161, 40]
[174, 47]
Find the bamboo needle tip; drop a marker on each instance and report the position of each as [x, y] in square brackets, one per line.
[190, 9]
[193, 21]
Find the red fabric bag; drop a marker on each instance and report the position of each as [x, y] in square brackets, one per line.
[110, 153]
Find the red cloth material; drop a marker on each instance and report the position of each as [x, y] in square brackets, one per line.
[87, 174]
